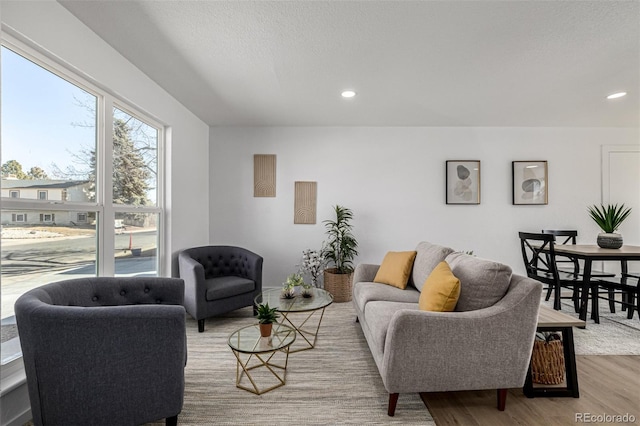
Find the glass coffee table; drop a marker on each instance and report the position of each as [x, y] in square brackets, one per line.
[307, 307]
[247, 341]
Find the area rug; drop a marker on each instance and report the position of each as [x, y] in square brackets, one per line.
[337, 382]
[614, 335]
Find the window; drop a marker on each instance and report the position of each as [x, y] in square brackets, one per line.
[135, 196]
[59, 133]
[18, 217]
[47, 217]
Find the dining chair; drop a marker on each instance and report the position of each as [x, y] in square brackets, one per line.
[570, 237]
[538, 254]
[627, 285]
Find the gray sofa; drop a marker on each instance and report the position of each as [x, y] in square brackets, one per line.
[485, 343]
[104, 351]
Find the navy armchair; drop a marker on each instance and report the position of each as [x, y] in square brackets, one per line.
[219, 279]
[104, 351]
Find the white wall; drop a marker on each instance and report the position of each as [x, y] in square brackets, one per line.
[393, 179]
[64, 38]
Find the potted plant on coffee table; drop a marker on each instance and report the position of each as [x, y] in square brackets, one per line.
[609, 219]
[266, 317]
[339, 251]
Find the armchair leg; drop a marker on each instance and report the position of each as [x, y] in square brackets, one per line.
[393, 400]
[255, 310]
[502, 399]
[171, 421]
[200, 326]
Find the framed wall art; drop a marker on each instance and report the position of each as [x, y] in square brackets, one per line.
[463, 182]
[530, 182]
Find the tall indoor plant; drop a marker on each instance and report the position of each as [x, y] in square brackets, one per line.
[339, 250]
[609, 219]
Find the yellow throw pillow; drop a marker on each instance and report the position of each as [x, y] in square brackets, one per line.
[441, 290]
[396, 268]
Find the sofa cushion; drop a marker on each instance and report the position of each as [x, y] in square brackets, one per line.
[482, 282]
[396, 268]
[441, 290]
[365, 292]
[427, 257]
[221, 287]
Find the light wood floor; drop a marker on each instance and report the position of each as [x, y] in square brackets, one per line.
[608, 385]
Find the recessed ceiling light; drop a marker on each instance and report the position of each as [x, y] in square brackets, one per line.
[617, 95]
[348, 94]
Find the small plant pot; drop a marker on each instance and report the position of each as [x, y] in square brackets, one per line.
[609, 241]
[288, 293]
[265, 329]
[136, 252]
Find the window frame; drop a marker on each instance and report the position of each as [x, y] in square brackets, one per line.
[14, 217]
[14, 191]
[42, 192]
[103, 206]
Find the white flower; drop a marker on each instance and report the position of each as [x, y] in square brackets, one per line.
[312, 263]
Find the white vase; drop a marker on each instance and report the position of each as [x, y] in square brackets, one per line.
[609, 240]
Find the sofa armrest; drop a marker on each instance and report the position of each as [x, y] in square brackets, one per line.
[444, 351]
[365, 272]
[192, 272]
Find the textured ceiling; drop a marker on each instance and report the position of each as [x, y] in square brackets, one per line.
[412, 63]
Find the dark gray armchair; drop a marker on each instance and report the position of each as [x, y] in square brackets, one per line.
[219, 279]
[104, 351]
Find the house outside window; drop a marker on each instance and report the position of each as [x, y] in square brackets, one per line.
[18, 217]
[86, 194]
[47, 217]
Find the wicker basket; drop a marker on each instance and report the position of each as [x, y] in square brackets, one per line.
[547, 362]
[339, 285]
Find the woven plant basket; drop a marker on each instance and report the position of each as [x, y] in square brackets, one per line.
[339, 285]
[547, 362]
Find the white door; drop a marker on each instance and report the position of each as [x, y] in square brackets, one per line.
[621, 184]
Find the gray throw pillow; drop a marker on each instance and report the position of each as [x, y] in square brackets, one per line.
[482, 282]
[427, 258]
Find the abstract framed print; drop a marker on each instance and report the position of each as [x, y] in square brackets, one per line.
[530, 182]
[463, 182]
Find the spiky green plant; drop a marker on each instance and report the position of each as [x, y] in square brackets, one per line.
[342, 246]
[609, 218]
[267, 315]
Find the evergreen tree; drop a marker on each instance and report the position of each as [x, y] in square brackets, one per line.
[130, 173]
[37, 173]
[13, 168]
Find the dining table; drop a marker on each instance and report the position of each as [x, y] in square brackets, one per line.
[590, 253]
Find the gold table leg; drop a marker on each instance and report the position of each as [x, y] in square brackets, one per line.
[313, 334]
[242, 368]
